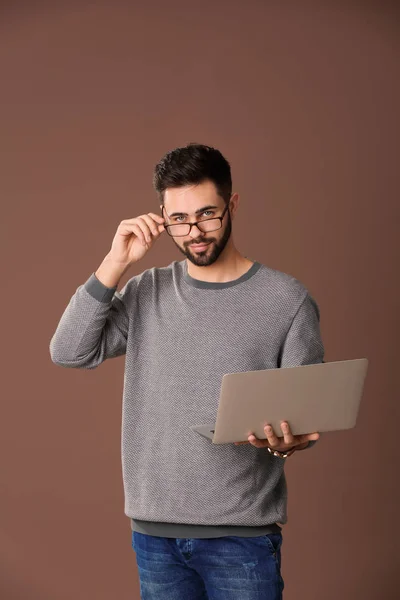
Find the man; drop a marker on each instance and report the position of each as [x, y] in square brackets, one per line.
[204, 517]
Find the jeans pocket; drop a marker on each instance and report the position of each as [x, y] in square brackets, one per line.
[273, 541]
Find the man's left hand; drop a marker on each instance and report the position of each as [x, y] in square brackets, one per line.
[281, 443]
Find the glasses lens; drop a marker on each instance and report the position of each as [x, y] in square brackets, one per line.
[177, 230]
[209, 225]
[183, 228]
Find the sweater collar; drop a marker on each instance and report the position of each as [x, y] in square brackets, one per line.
[214, 285]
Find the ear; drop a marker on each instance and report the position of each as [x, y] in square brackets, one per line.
[234, 204]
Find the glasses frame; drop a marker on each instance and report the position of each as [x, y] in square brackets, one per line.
[166, 227]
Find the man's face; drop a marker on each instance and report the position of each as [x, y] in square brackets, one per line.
[196, 203]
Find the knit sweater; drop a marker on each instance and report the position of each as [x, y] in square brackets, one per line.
[179, 336]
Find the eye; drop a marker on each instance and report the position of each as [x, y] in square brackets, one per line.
[206, 213]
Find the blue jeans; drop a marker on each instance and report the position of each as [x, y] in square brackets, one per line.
[224, 568]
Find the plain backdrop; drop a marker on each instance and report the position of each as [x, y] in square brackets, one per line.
[302, 98]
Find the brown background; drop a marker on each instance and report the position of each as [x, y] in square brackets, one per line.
[303, 100]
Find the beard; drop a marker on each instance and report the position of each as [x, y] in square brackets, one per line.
[212, 252]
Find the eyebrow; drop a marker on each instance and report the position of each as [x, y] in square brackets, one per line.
[181, 214]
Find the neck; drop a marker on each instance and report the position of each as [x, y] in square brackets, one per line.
[229, 266]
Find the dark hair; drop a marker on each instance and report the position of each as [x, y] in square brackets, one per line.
[193, 164]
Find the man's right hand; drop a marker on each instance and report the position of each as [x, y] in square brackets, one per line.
[134, 237]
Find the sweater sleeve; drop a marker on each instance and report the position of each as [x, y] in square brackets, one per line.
[93, 327]
[303, 344]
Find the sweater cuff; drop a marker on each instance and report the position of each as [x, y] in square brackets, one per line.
[98, 290]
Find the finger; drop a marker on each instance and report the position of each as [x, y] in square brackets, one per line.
[252, 439]
[301, 439]
[153, 225]
[129, 226]
[145, 228]
[136, 229]
[255, 441]
[287, 434]
[271, 437]
[156, 217]
[145, 223]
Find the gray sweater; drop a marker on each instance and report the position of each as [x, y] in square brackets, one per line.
[179, 336]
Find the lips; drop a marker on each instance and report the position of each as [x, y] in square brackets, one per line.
[199, 246]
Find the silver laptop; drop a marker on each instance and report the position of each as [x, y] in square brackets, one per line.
[311, 398]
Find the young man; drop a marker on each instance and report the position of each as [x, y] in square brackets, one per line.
[204, 517]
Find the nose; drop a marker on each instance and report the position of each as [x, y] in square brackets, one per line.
[195, 232]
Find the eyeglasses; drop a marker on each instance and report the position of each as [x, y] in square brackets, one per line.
[206, 225]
